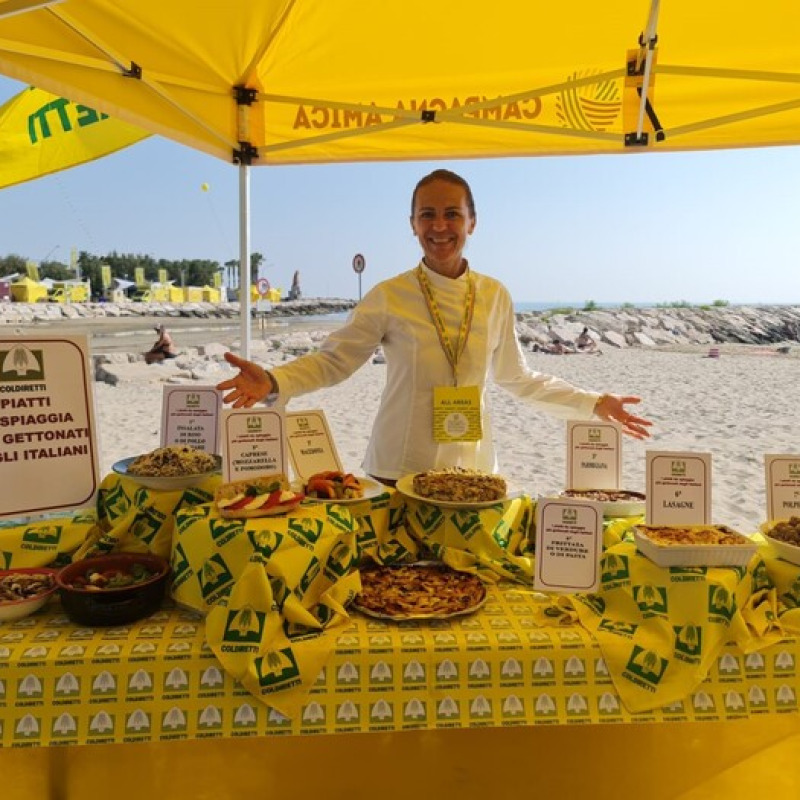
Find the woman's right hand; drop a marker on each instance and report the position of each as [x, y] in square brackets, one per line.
[249, 386]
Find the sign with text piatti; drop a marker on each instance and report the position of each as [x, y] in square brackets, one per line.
[678, 488]
[569, 543]
[311, 446]
[594, 455]
[254, 442]
[783, 485]
[190, 416]
[48, 459]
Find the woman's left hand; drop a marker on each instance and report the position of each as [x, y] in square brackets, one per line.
[612, 407]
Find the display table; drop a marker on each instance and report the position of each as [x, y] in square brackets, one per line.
[484, 705]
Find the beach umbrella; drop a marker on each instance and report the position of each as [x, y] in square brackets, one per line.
[41, 133]
[271, 82]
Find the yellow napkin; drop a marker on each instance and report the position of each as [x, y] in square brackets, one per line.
[660, 630]
[273, 590]
[489, 542]
[37, 544]
[138, 520]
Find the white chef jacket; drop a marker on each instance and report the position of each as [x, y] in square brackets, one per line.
[394, 315]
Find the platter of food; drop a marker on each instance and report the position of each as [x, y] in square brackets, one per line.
[784, 538]
[423, 590]
[170, 469]
[338, 487]
[24, 591]
[265, 496]
[454, 487]
[694, 545]
[616, 502]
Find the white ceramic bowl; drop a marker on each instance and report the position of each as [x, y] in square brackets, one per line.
[788, 552]
[696, 555]
[17, 609]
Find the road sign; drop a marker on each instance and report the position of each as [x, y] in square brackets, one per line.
[262, 285]
[359, 263]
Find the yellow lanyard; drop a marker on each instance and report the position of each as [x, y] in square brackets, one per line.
[453, 354]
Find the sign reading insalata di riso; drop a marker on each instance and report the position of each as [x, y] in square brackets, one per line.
[48, 457]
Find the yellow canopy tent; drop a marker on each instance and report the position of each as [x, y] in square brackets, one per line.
[272, 82]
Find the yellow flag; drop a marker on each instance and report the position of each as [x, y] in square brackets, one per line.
[42, 133]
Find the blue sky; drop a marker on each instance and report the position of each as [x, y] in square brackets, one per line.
[635, 228]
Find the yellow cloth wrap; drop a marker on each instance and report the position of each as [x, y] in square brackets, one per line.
[660, 630]
[786, 579]
[137, 520]
[273, 590]
[38, 544]
[489, 542]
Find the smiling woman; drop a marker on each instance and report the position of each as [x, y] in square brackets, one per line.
[442, 328]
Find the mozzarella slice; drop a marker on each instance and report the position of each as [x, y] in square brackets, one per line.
[229, 501]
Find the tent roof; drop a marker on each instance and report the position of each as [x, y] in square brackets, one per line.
[349, 80]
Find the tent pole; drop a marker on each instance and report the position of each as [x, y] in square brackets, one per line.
[648, 41]
[244, 257]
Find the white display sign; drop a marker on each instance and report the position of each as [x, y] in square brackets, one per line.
[678, 488]
[569, 543]
[254, 443]
[783, 486]
[48, 458]
[190, 416]
[594, 455]
[311, 446]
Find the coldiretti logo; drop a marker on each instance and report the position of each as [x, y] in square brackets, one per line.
[277, 670]
[114, 502]
[254, 424]
[20, 363]
[688, 642]
[310, 574]
[569, 516]
[192, 400]
[147, 524]
[618, 627]
[45, 534]
[467, 522]
[645, 667]
[721, 603]
[614, 568]
[222, 530]
[214, 576]
[593, 601]
[305, 530]
[341, 558]
[265, 542]
[429, 517]
[244, 626]
[794, 469]
[650, 599]
[677, 468]
[180, 564]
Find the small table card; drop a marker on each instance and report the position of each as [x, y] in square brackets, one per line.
[569, 543]
[678, 488]
[594, 455]
[255, 442]
[783, 485]
[190, 416]
[311, 446]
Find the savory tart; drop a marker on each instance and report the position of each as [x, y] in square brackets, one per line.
[458, 485]
[417, 591]
[672, 535]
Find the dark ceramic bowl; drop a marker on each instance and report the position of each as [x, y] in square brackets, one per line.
[113, 606]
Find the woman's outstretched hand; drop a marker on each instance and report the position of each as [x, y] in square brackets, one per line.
[612, 407]
[249, 386]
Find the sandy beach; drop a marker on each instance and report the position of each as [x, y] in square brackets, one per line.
[737, 407]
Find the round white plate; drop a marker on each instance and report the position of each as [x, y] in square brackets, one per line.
[371, 489]
[405, 485]
[172, 483]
